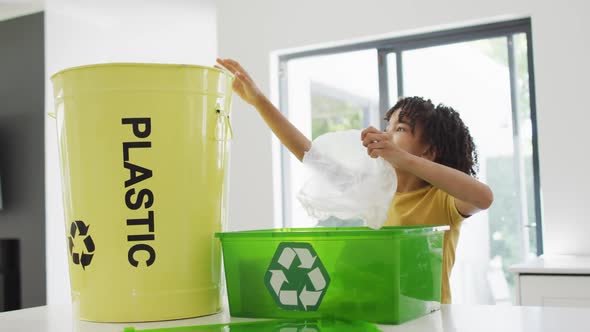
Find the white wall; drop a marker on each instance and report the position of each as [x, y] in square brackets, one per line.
[83, 32]
[250, 30]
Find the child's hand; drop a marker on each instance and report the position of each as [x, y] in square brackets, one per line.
[380, 144]
[243, 84]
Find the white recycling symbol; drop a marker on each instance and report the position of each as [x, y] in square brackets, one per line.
[297, 286]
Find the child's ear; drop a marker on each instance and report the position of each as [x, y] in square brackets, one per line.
[429, 153]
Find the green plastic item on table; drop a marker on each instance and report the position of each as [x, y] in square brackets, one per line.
[322, 325]
[386, 276]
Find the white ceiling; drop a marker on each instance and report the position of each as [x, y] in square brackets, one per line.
[15, 8]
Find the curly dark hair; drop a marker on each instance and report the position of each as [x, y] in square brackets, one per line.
[443, 130]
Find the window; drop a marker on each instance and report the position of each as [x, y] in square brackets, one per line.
[330, 92]
[485, 73]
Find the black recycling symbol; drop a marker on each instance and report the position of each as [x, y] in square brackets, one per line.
[82, 256]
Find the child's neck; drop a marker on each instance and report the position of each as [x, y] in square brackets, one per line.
[407, 182]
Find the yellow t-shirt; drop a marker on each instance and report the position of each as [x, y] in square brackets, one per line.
[430, 206]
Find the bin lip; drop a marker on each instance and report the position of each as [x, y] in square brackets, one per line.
[334, 232]
[135, 64]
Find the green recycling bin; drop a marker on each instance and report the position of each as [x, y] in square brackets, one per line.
[386, 276]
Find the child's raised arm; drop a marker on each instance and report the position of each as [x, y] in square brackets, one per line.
[287, 133]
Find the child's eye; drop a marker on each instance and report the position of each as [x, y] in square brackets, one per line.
[400, 129]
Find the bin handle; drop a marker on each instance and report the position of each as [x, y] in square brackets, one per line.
[223, 129]
[228, 123]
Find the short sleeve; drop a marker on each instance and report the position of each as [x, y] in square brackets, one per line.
[450, 209]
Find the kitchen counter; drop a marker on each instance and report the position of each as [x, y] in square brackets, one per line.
[555, 264]
[554, 281]
[449, 318]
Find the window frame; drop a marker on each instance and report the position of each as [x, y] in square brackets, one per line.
[400, 44]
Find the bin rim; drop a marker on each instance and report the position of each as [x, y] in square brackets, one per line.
[333, 232]
[137, 64]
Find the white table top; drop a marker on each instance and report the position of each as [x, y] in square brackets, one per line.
[556, 264]
[449, 318]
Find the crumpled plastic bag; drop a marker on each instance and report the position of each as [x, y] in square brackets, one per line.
[345, 182]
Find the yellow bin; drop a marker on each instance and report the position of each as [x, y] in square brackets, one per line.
[144, 154]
